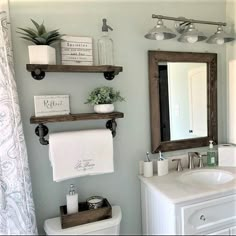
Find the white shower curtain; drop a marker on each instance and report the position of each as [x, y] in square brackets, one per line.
[17, 214]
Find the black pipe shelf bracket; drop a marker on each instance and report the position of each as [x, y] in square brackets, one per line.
[111, 125]
[109, 75]
[38, 74]
[42, 130]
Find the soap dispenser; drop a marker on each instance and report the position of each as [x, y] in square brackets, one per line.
[72, 201]
[211, 155]
[105, 46]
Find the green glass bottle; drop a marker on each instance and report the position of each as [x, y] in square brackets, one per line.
[211, 155]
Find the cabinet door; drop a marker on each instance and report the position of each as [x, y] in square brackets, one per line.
[233, 230]
[221, 232]
[208, 215]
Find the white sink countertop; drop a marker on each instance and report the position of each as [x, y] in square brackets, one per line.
[177, 191]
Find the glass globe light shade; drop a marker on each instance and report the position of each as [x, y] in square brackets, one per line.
[191, 35]
[160, 32]
[220, 37]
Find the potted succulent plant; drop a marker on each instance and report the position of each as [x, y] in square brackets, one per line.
[41, 52]
[103, 98]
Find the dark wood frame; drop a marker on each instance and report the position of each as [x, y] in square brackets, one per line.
[154, 57]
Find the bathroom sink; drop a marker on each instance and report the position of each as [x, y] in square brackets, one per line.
[206, 177]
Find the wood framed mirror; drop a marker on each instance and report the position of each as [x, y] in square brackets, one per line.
[183, 99]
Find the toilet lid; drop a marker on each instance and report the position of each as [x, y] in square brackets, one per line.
[53, 226]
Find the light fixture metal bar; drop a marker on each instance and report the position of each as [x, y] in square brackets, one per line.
[183, 19]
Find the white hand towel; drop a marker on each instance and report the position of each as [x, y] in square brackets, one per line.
[80, 153]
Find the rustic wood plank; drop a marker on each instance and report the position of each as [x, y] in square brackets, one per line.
[74, 68]
[75, 117]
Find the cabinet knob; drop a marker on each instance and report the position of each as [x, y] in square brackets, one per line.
[203, 218]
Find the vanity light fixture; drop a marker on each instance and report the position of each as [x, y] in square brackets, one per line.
[187, 30]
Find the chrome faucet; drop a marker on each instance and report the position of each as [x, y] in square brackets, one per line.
[191, 156]
[201, 165]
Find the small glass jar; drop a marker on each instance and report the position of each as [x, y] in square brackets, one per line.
[94, 202]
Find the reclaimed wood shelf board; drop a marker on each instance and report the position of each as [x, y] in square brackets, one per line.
[74, 68]
[75, 117]
[38, 70]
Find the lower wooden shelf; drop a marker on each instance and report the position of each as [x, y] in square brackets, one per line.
[75, 117]
[42, 130]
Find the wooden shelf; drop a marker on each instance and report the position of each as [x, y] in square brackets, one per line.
[75, 117]
[38, 70]
[42, 130]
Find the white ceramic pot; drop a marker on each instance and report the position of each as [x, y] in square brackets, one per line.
[104, 108]
[42, 54]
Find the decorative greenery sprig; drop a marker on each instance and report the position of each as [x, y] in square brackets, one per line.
[104, 95]
[39, 36]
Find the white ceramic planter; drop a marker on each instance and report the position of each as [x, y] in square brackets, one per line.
[42, 54]
[104, 108]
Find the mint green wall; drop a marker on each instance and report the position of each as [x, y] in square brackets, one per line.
[130, 22]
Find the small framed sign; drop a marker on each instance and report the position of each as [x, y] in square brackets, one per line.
[51, 105]
[76, 50]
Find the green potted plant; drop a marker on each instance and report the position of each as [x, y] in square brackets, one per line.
[41, 52]
[102, 99]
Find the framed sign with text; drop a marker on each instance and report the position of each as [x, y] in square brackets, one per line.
[76, 50]
[50, 105]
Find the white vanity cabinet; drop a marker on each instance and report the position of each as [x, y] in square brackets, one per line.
[209, 215]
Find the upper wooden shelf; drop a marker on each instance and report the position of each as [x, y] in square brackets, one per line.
[74, 117]
[38, 70]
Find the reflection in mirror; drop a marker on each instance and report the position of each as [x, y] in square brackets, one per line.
[183, 100]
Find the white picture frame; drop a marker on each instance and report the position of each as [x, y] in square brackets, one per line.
[51, 105]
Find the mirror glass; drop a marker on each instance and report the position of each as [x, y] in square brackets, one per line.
[183, 100]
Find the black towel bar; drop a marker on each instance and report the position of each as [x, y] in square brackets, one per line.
[42, 130]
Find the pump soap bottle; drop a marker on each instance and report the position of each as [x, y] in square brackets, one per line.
[72, 201]
[105, 46]
[211, 155]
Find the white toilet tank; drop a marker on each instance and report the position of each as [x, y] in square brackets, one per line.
[104, 227]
